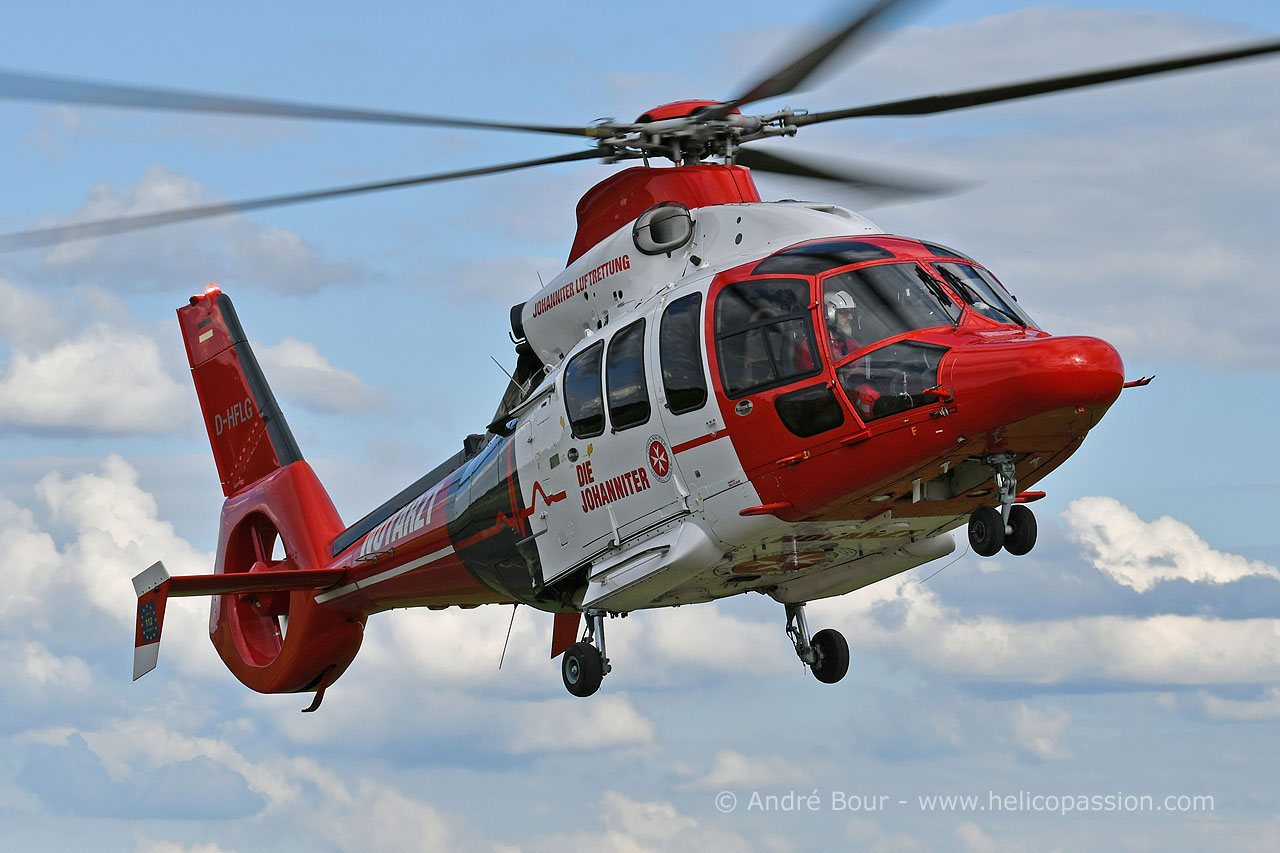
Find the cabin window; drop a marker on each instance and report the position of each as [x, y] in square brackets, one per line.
[866, 305]
[624, 372]
[809, 411]
[892, 379]
[680, 352]
[764, 335]
[582, 398]
[987, 296]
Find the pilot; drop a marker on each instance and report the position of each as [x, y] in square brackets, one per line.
[841, 318]
[840, 323]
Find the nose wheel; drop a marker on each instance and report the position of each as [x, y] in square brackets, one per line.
[826, 654]
[584, 664]
[1013, 526]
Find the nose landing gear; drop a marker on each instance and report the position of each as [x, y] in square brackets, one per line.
[826, 654]
[584, 664]
[1013, 526]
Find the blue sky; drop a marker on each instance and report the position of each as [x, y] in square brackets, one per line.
[1135, 650]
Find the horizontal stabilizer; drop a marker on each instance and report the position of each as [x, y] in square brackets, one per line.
[154, 587]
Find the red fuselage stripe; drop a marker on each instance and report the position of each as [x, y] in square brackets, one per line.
[698, 442]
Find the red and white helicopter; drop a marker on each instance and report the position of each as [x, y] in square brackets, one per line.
[718, 395]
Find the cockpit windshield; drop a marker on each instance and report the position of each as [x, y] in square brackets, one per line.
[866, 305]
[987, 296]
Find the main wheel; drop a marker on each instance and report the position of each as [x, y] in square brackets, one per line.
[833, 656]
[582, 669]
[986, 531]
[1021, 537]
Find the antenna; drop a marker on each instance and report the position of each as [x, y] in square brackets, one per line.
[503, 369]
[508, 639]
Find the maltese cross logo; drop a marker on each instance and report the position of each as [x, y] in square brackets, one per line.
[659, 459]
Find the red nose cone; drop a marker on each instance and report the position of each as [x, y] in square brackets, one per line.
[1013, 380]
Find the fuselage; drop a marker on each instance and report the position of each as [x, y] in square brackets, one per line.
[698, 425]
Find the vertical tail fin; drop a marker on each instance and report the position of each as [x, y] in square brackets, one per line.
[247, 432]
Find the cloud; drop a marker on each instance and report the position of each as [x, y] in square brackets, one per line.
[1139, 555]
[28, 667]
[108, 377]
[297, 370]
[605, 722]
[733, 770]
[72, 780]
[631, 825]
[1041, 732]
[230, 249]
[114, 533]
[30, 557]
[104, 380]
[154, 845]
[1265, 708]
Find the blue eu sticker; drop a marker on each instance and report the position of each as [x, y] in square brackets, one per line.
[147, 621]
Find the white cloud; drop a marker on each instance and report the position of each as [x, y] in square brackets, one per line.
[297, 371]
[28, 667]
[1139, 555]
[733, 770]
[116, 533]
[632, 825]
[152, 845]
[230, 249]
[106, 377]
[570, 724]
[29, 558]
[709, 638]
[1265, 708]
[104, 380]
[29, 319]
[1041, 732]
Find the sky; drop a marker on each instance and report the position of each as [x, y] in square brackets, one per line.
[1135, 652]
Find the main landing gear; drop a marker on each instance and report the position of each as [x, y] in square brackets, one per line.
[1013, 526]
[826, 654]
[584, 664]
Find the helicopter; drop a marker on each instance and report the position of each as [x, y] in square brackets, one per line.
[718, 395]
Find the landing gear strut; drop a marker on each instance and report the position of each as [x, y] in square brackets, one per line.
[826, 654]
[1013, 526]
[584, 664]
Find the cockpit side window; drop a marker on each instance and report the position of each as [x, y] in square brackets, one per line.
[866, 305]
[582, 397]
[764, 334]
[987, 296]
[624, 372]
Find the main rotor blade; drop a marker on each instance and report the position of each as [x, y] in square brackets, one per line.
[34, 87]
[105, 227]
[930, 104]
[880, 181]
[792, 75]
